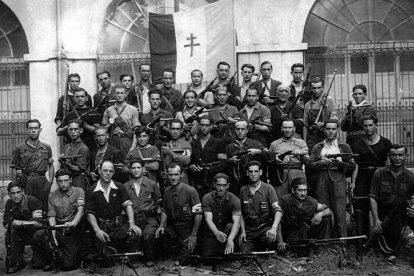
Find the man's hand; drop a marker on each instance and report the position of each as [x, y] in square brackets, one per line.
[159, 86]
[167, 151]
[229, 247]
[187, 127]
[250, 127]
[377, 226]
[272, 234]
[242, 237]
[102, 236]
[320, 124]
[192, 241]
[221, 237]
[135, 229]
[281, 246]
[234, 160]
[267, 99]
[297, 152]
[69, 224]
[54, 237]
[195, 168]
[317, 218]
[17, 223]
[159, 231]
[410, 212]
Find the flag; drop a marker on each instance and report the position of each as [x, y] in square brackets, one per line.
[196, 39]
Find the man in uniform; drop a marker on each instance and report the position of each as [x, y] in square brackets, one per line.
[121, 120]
[181, 215]
[261, 213]
[291, 164]
[66, 206]
[105, 97]
[266, 87]
[222, 213]
[105, 202]
[331, 173]
[146, 199]
[23, 212]
[170, 97]
[30, 161]
[76, 156]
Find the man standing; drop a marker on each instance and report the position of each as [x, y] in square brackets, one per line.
[181, 215]
[30, 161]
[331, 173]
[66, 206]
[247, 72]
[146, 199]
[223, 71]
[121, 120]
[105, 202]
[207, 99]
[222, 213]
[76, 156]
[297, 85]
[105, 97]
[259, 201]
[22, 211]
[170, 97]
[291, 164]
[267, 86]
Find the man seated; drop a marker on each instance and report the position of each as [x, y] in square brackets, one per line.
[66, 206]
[222, 213]
[181, 215]
[146, 198]
[21, 212]
[303, 216]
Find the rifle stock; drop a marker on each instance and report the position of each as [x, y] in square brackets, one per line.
[324, 99]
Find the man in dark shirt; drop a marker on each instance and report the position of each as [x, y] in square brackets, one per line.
[267, 86]
[261, 213]
[105, 97]
[21, 211]
[222, 213]
[105, 202]
[146, 199]
[181, 215]
[170, 97]
[298, 86]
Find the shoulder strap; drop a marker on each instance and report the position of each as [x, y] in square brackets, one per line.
[370, 150]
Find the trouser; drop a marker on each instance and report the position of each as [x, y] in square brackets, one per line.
[288, 175]
[120, 238]
[308, 231]
[256, 239]
[175, 238]
[39, 187]
[146, 241]
[210, 245]
[69, 244]
[362, 188]
[20, 238]
[334, 196]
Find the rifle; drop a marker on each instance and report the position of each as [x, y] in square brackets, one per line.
[194, 117]
[241, 154]
[231, 81]
[324, 99]
[336, 155]
[283, 155]
[65, 105]
[208, 88]
[9, 241]
[207, 166]
[258, 122]
[305, 85]
[305, 243]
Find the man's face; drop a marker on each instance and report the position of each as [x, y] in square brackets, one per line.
[205, 127]
[221, 186]
[168, 79]
[369, 127]
[358, 96]
[254, 173]
[106, 172]
[190, 99]
[104, 80]
[251, 97]
[16, 194]
[175, 130]
[143, 139]
[137, 170]
[288, 129]
[101, 137]
[317, 89]
[145, 72]
[80, 98]
[34, 131]
[266, 71]
[64, 182]
[223, 72]
[241, 130]
[74, 131]
[196, 78]
[247, 74]
[127, 81]
[222, 97]
[331, 130]
[155, 101]
[283, 94]
[74, 83]
[297, 74]
[301, 192]
[120, 95]
[398, 157]
[174, 175]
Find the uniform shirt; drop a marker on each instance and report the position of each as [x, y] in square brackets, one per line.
[97, 204]
[258, 207]
[129, 115]
[390, 191]
[71, 104]
[64, 205]
[25, 210]
[283, 145]
[149, 194]
[32, 159]
[312, 108]
[360, 110]
[78, 148]
[170, 99]
[294, 214]
[223, 210]
[237, 147]
[148, 153]
[217, 114]
[181, 203]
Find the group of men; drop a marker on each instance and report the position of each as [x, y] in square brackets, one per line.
[210, 170]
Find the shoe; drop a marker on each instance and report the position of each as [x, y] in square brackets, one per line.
[149, 264]
[47, 268]
[16, 267]
[391, 260]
